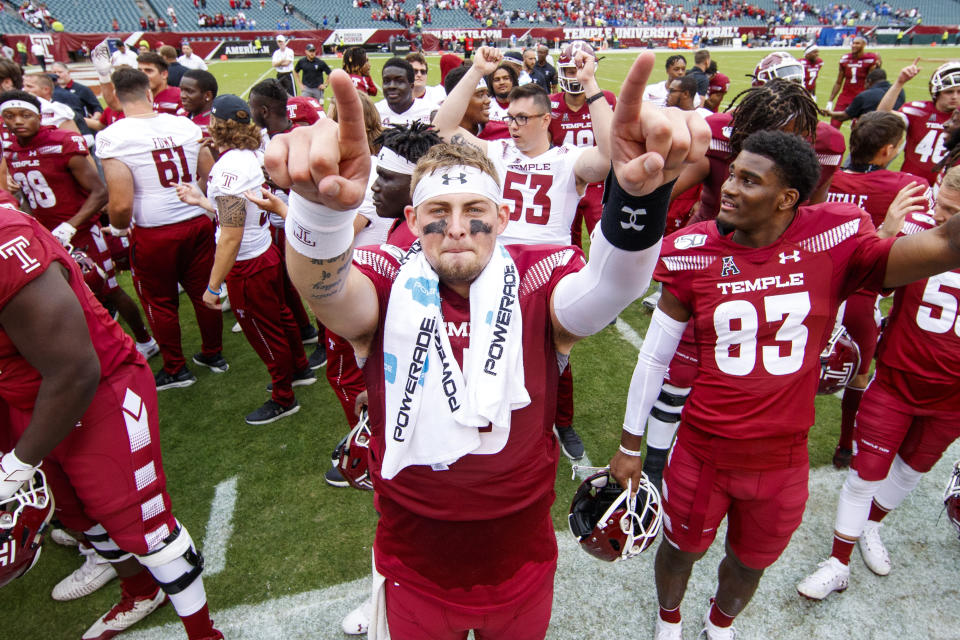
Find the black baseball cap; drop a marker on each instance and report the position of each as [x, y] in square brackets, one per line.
[310, 47]
[231, 107]
[513, 56]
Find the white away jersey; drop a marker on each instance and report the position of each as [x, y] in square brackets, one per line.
[160, 151]
[419, 111]
[237, 171]
[541, 191]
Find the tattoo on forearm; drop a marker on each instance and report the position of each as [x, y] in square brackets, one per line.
[332, 275]
[459, 138]
[232, 211]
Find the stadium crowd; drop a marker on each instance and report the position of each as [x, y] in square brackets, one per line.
[435, 234]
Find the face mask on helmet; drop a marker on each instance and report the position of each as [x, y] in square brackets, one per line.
[951, 497]
[777, 65]
[566, 61]
[24, 518]
[350, 456]
[946, 76]
[93, 275]
[608, 524]
[839, 362]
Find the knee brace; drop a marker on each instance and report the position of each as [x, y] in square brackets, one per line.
[854, 506]
[104, 545]
[900, 481]
[176, 566]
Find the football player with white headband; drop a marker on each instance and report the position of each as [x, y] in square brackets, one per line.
[444, 478]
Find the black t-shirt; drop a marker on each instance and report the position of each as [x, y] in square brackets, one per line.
[313, 71]
[869, 99]
[703, 82]
[175, 72]
[544, 75]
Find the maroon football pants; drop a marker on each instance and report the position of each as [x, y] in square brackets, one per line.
[343, 374]
[162, 257]
[256, 295]
[290, 293]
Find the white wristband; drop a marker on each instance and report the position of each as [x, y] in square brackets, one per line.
[630, 452]
[117, 232]
[317, 231]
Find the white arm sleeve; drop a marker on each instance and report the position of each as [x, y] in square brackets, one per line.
[655, 355]
[587, 301]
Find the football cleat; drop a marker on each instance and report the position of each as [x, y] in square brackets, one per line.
[667, 630]
[872, 549]
[778, 64]
[357, 621]
[351, 457]
[608, 524]
[839, 362]
[24, 520]
[713, 632]
[92, 574]
[951, 496]
[569, 83]
[123, 615]
[832, 575]
[149, 348]
[61, 537]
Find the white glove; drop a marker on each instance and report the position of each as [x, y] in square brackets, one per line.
[64, 232]
[13, 474]
[100, 56]
[828, 106]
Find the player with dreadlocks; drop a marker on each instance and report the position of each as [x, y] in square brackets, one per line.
[356, 64]
[951, 144]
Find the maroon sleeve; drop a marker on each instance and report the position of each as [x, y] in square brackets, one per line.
[23, 257]
[867, 266]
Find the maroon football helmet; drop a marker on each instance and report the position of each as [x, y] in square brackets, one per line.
[609, 525]
[778, 64]
[351, 455]
[24, 518]
[570, 84]
[951, 497]
[93, 275]
[839, 362]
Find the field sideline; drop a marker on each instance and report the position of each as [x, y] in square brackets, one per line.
[299, 550]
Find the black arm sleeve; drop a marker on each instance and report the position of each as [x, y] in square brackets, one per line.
[633, 223]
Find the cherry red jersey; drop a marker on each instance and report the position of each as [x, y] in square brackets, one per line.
[108, 116]
[571, 127]
[811, 70]
[498, 502]
[762, 316]
[919, 354]
[364, 83]
[303, 111]
[873, 192]
[494, 130]
[41, 168]
[26, 251]
[854, 72]
[829, 146]
[201, 119]
[719, 83]
[167, 101]
[926, 140]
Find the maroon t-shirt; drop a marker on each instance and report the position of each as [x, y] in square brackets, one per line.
[762, 316]
[26, 251]
[873, 192]
[486, 519]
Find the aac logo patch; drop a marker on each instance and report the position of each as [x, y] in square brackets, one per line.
[729, 267]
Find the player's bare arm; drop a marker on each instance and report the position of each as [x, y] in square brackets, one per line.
[447, 120]
[233, 216]
[46, 324]
[593, 164]
[326, 166]
[649, 148]
[906, 74]
[205, 162]
[89, 179]
[119, 181]
[925, 254]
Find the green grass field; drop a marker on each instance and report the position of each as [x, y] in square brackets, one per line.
[291, 532]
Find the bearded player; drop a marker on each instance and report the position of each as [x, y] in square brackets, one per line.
[761, 285]
[433, 504]
[909, 414]
[867, 183]
[542, 183]
[854, 67]
[79, 397]
[65, 193]
[926, 138]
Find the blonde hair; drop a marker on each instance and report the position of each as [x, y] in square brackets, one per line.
[371, 120]
[234, 135]
[444, 156]
[951, 179]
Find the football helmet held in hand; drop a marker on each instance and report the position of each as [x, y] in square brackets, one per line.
[608, 524]
[839, 362]
[351, 455]
[24, 519]
[951, 497]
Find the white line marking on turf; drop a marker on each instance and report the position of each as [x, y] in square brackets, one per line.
[219, 527]
[628, 334]
[262, 76]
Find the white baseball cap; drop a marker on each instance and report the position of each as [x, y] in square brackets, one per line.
[281, 38]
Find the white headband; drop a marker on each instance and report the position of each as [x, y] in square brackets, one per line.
[19, 104]
[457, 179]
[392, 161]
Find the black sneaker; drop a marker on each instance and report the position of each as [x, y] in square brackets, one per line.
[271, 412]
[215, 363]
[570, 442]
[308, 334]
[300, 379]
[334, 478]
[318, 358]
[178, 380]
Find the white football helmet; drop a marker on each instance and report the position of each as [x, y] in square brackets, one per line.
[566, 61]
[946, 76]
[778, 64]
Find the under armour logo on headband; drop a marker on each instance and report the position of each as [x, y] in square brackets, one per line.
[447, 179]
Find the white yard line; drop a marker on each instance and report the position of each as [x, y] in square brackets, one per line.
[219, 527]
[629, 334]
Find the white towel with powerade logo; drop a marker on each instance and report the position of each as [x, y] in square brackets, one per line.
[436, 413]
